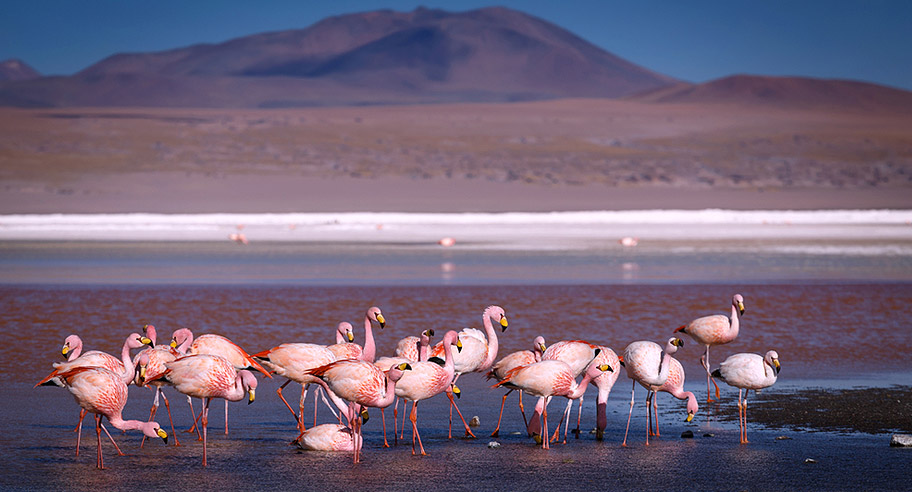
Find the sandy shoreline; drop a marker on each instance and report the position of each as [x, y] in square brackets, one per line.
[180, 193]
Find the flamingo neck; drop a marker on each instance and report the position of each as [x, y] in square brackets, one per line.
[370, 349]
[423, 350]
[492, 343]
[76, 351]
[735, 322]
[580, 389]
[129, 364]
[340, 338]
[236, 391]
[390, 394]
[664, 368]
[185, 345]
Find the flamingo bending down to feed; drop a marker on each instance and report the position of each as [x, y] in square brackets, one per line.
[124, 368]
[369, 351]
[478, 355]
[716, 329]
[648, 364]
[427, 379]
[150, 364]
[748, 372]
[604, 383]
[575, 353]
[102, 392]
[550, 378]
[209, 376]
[292, 360]
[182, 340]
[505, 365]
[361, 384]
[674, 386]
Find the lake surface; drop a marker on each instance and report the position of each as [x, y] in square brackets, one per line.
[837, 319]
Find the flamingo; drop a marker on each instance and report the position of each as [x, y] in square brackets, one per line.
[369, 352]
[327, 437]
[344, 348]
[209, 376]
[516, 359]
[550, 378]
[575, 353]
[292, 360]
[104, 393]
[604, 382]
[362, 384]
[674, 386]
[150, 364]
[477, 355]
[123, 367]
[427, 379]
[716, 329]
[748, 372]
[409, 349]
[648, 364]
[182, 340]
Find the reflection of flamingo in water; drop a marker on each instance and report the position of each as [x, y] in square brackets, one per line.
[717, 329]
[505, 365]
[748, 372]
[477, 355]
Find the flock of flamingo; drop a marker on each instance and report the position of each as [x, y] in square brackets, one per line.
[349, 378]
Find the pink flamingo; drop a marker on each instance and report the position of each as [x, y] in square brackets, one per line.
[604, 382]
[369, 352]
[748, 372]
[327, 437]
[477, 355]
[547, 379]
[182, 340]
[150, 364]
[102, 392]
[344, 348]
[674, 386]
[716, 329]
[293, 360]
[409, 349]
[503, 366]
[123, 367]
[209, 376]
[362, 384]
[575, 353]
[648, 364]
[427, 379]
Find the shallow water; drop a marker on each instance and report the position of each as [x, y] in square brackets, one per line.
[830, 326]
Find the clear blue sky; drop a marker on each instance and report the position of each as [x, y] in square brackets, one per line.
[694, 40]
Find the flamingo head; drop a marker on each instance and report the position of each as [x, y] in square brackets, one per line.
[772, 358]
[596, 369]
[452, 338]
[692, 406]
[426, 335]
[180, 336]
[149, 331]
[538, 346]
[345, 329]
[135, 341]
[152, 429]
[498, 314]
[738, 302]
[249, 383]
[374, 314]
[141, 362]
[457, 391]
[672, 346]
[395, 373]
[72, 342]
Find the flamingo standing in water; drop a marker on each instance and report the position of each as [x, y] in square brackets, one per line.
[293, 360]
[182, 340]
[102, 392]
[150, 364]
[748, 372]
[124, 367]
[604, 382]
[648, 364]
[516, 359]
[369, 351]
[409, 349]
[716, 329]
[361, 384]
[345, 348]
[550, 378]
[478, 355]
[427, 379]
[575, 353]
[209, 376]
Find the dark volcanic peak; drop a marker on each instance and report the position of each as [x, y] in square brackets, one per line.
[427, 55]
[786, 92]
[14, 69]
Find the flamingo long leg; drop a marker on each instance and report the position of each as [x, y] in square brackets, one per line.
[502, 403]
[226, 417]
[747, 392]
[282, 397]
[632, 391]
[383, 421]
[522, 410]
[655, 412]
[648, 414]
[99, 463]
[82, 414]
[579, 418]
[415, 434]
[171, 421]
[567, 419]
[152, 414]
[546, 443]
[468, 431]
[204, 413]
[105, 429]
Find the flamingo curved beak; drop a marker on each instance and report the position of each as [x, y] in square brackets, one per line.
[542, 347]
[252, 396]
[690, 417]
[147, 341]
[776, 365]
[350, 336]
[365, 416]
[429, 332]
[677, 342]
[66, 349]
[173, 343]
[457, 391]
[740, 307]
[381, 320]
[142, 375]
[162, 434]
[503, 323]
[458, 345]
[605, 367]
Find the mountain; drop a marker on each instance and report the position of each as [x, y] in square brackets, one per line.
[785, 92]
[380, 57]
[14, 69]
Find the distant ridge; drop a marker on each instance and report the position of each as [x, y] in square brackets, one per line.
[487, 55]
[15, 69]
[786, 92]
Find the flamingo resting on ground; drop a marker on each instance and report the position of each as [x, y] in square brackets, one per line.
[102, 392]
[478, 355]
[716, 329]
[648, 364]
[547, 379]
[503, 366]
[361, 384]
[209, 376]
[327, 437]
[748, 372]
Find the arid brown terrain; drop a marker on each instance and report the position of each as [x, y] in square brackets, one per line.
[562, 154]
